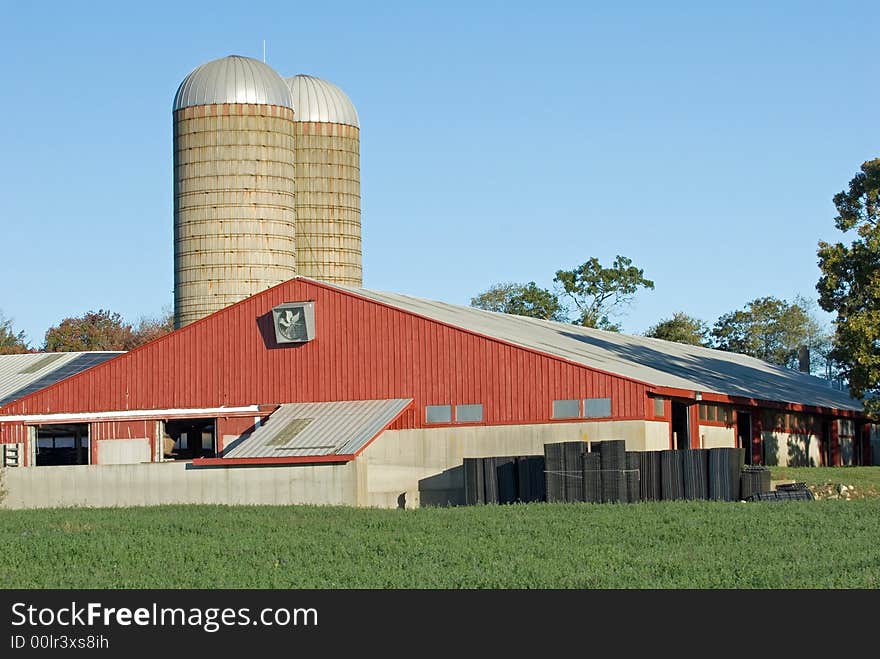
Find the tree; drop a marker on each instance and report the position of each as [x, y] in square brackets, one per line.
[770, 329]
[11, 342]
[597, 292]
[681, 328]
[94, 330]
[521, 300]
[850, 284]
[151, 328]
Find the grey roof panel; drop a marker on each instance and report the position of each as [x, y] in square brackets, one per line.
[233, 79]
[21, 375]
[653, 361]
[315, 99]
[315, 429]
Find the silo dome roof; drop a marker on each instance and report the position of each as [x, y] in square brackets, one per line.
[233, 79]
[318, 100]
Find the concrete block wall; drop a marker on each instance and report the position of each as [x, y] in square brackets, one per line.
[152, 484]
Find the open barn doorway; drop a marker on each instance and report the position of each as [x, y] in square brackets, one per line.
[744, 434]
[681, 433]
[62, 444]
[192, 438]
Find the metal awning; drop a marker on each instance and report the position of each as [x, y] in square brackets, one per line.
[297, 430]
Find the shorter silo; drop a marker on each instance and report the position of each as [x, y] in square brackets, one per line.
[328, 182]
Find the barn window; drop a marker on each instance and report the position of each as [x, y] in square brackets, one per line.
[438, 413]
[659, 407]
[720, 413]
[566, 409]
[469, 413]
[597, 408]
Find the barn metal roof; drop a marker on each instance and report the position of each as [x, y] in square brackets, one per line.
[233, 79]
[315, 99]
[312, 429]
[652, 361]
[24, 374]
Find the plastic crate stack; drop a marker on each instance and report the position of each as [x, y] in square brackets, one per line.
[754, 480]
[507, 479]
[785, 492]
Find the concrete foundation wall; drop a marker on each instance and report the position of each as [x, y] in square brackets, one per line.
[123, 451]
[790, 450]
[423, 466]
[152, 484]
[718, 437]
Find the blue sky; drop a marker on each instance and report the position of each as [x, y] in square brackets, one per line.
[501, 141]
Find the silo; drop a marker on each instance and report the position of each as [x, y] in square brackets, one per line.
[234, 167]
[328, 182]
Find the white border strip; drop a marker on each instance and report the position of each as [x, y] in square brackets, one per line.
[129, 414]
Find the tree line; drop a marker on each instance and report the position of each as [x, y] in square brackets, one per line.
[94, 330]
[768, 328]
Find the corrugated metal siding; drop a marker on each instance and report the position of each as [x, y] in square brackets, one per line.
[362, 351]
[342, 428]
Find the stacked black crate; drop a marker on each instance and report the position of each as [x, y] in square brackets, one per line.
[695, 472]
[490, 480]
[737, 462]
[719, 487]
[725, 465]
[530, 478]
[506, 474]
[632, 476]
[554, 466]
[613, 455]
[649, 476]
[754, 480]
[474, 487]
[672, 481]
[574, 484]
[592, 477]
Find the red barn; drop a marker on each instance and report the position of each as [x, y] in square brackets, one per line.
[375, 398]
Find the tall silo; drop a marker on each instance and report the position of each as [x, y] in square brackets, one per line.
[234, 168]
[328, 182]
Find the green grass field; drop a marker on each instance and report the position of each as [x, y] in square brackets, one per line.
[820, 544]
